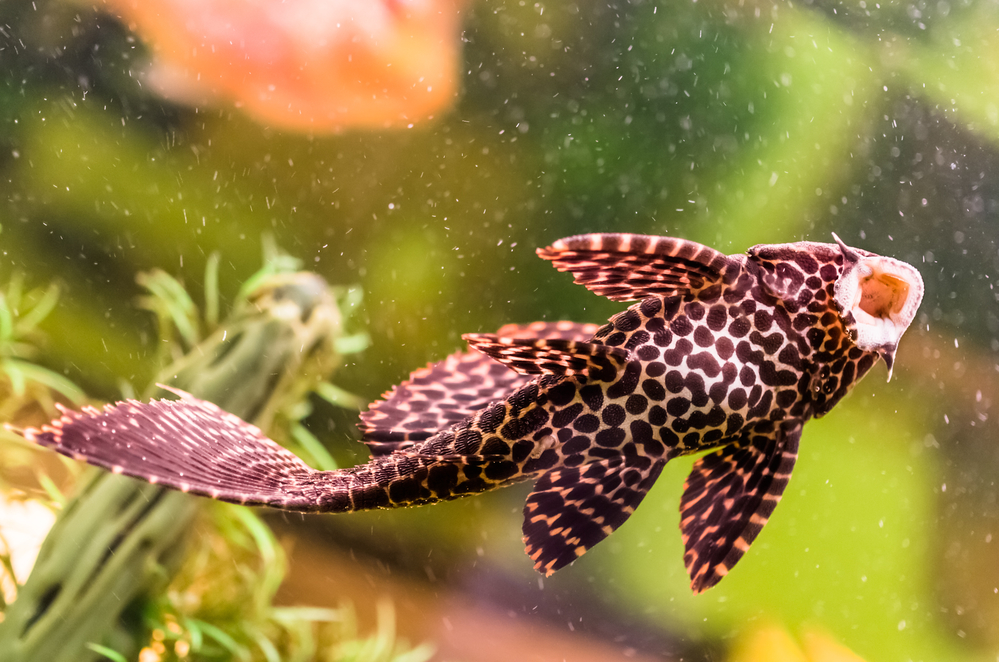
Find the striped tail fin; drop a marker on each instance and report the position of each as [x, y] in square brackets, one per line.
[189, 445]
[194, 446]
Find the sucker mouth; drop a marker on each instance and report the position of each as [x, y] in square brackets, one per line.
[881, 291]
[883, 294]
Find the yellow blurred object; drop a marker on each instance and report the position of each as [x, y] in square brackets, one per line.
[305, 65]
[773, 643]
[821, 647]
[769, 643]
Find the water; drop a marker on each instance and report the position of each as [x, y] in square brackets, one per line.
[727, 123]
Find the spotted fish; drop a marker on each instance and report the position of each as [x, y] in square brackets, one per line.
[724, 353]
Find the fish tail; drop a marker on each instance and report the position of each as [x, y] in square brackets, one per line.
[193, 446]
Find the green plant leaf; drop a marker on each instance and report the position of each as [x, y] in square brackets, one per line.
[212, 290]
[223, 639]
[337, 396]
[318, 456]
[109, 653]
[6, 320]
[353, 344]
[27, 322]
[26, 371]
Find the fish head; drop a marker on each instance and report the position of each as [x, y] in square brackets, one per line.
[875, 297]
[878, 298]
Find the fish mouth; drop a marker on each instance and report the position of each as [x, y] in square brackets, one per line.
[883, 294]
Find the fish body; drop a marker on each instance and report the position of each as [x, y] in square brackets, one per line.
[729, 354]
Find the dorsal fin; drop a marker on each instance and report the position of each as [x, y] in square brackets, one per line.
[435, 398]
[551, 356]
[444, 393]
[627, 267]
[727, 499]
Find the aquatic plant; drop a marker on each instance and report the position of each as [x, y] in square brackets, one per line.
[129, 567]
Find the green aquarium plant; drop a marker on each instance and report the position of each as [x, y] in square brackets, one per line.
[130, 570]
[23, 382]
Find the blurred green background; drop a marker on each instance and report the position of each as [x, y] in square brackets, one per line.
[730, 123]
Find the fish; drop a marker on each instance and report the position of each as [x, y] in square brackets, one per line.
[308, 66]
[729, 354]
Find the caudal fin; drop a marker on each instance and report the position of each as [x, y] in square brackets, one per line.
[189, 445]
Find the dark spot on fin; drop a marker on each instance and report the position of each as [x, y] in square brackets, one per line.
[573, 508]
[727, 499]
[549, 356]
[628, 267]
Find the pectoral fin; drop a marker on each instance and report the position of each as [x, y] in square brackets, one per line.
[727, 499]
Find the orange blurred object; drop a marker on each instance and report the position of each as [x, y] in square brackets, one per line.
[305, 65]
